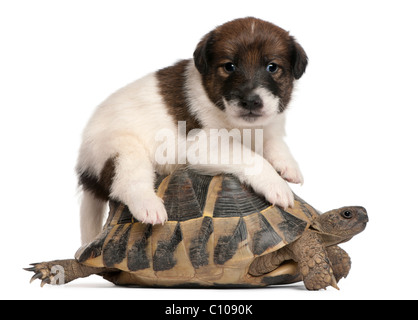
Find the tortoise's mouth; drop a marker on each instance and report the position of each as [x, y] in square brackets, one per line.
[345, 240]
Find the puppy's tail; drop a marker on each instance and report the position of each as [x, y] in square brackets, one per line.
[92, 211]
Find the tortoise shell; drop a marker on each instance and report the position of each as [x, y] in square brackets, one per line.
[216, 228]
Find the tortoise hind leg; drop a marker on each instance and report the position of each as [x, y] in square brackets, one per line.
[61, 271]
[286, 273]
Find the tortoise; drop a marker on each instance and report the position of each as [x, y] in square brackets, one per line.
[219, 234]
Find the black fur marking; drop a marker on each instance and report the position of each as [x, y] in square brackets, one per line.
[137, 255]
[90, 182]
[203, 54]
[164, 255]
[99, 185]
[299, 59]
[115, 250]
[199, 256]
[227, 246]
[265, 238]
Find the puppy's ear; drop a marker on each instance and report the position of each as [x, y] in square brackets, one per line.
[299, 59]
[202, 54]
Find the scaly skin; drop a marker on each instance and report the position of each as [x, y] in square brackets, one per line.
[319, 267]
[268, 263]
[320, 261]
[314, 263]
[62, 271]
[317, 260]
[340, 261]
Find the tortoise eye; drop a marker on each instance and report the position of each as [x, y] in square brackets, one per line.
[347, 214]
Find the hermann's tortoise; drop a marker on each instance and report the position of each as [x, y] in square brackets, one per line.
[219, 234]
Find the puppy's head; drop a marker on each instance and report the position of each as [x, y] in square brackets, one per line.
[248, 67]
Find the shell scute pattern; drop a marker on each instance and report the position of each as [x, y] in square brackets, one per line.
[215, 225]
[219, 234]
[163, 258]
[228, 241]
[264, 236]
[237, 200]
[199, 254]
[139, 252]
[114, 250]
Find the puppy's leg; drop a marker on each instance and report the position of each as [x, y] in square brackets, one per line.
[258, 173]
[91, 216]
[133, 182]
[268, 182]
[278, 154]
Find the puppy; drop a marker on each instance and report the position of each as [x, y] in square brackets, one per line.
[241, 77]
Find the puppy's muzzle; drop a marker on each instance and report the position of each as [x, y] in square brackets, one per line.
[251, 102]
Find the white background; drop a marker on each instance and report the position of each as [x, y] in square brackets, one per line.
[352, 126]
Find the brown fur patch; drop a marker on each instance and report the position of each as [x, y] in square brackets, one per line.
[171, 82]
[250, 44]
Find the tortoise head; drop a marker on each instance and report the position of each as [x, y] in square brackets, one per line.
[340, 225]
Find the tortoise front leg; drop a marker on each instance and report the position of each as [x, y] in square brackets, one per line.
[314, 264]
[61, 271]
[340, 261]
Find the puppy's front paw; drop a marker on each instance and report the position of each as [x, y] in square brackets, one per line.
[148, 208]
[289, 170]
[275, 190]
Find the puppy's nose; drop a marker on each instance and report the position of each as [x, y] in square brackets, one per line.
[251, 102]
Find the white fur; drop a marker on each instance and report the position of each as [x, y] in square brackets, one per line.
[277, 152]
[91, 219]
[126, 124]
[267, 113]
[268, 182]
[252, 27]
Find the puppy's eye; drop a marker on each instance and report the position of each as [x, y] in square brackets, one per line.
[229, 67]
[272, 67]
